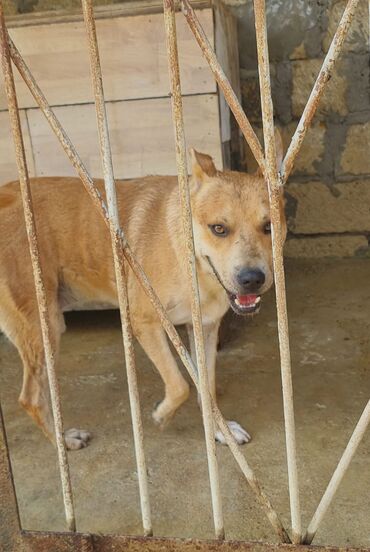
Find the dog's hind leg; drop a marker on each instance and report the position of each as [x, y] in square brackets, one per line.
[25, 333]
[154, 342]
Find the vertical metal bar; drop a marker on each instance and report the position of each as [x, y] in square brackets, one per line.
[224, 84]
[10, 525]
[37, 273]
[277, 246]
[147, 287]
[318, 89]
[177, 115]
[338, 474]
[122, 291]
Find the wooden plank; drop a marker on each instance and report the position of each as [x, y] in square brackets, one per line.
[226, 41]
[141, 136]
[8, 167]
[129, 7]
[133, 56]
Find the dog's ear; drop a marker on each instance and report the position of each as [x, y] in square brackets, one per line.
[202, 165]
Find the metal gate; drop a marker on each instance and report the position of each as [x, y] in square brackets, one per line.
[14, 538]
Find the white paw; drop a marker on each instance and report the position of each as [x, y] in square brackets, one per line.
[76, 438]
[241, 436]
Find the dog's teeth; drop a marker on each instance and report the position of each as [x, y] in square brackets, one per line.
[257, 300]
[237, 302]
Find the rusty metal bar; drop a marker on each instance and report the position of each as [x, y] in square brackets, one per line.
[146, 285]
[277, 247]
[318, 89]
[37, 273]
[338, 474]
[119, 265]
[224, 84]
[187, 223]
[10, 525]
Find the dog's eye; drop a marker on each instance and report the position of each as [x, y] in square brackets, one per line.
[219, 230]
[267, 228]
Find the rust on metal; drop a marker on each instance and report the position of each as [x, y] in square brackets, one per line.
[278, 262]
[37, 273]
[224, 84]
[119, 265]
[188, 237]
[318, 89]
[146, 285]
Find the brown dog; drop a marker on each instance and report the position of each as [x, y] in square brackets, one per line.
[234, 258]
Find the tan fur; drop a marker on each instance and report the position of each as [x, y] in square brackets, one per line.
[78, 270]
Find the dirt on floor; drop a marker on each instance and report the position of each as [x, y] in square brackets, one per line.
[329, 309]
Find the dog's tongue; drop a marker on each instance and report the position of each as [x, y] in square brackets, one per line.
[247, 299]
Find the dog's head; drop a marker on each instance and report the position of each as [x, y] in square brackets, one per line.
[232, 229]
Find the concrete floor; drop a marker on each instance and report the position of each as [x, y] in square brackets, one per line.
[329, 306]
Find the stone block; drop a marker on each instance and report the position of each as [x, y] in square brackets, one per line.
[317, 208]
[326, 246]
[304, 74]
[309, 156]
[357, 37]
[355, 158]
[250, 91]
[10, 7]
[312, 150]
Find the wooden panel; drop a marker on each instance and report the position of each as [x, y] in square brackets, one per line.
[133, 56]
[128, 7]
[8, 167]
[226, 40]
[141, 136]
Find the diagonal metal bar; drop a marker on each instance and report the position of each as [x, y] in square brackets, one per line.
[146, 285]
[318, 89]
[37, 273]
[223, 82]
[277, 247]
[338, 474]
[178, 122]
[123, 300]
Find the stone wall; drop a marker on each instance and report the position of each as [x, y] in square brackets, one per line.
[328, 194]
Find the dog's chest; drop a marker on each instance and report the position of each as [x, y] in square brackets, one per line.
[213, 306]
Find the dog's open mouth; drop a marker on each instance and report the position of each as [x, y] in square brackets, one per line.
[245, 304]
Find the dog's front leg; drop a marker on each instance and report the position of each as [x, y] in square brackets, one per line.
[154, 342]
[210, 332]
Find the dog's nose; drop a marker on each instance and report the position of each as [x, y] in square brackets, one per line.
[251, 279]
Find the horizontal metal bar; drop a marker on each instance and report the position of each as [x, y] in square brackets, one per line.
[147, 287]
[223, 82]
[67, 542]
[338, 474]
[317, 91]
[37, 274]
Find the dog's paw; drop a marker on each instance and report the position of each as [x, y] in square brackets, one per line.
[241, 436]
[161, 414]
[76, 438]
